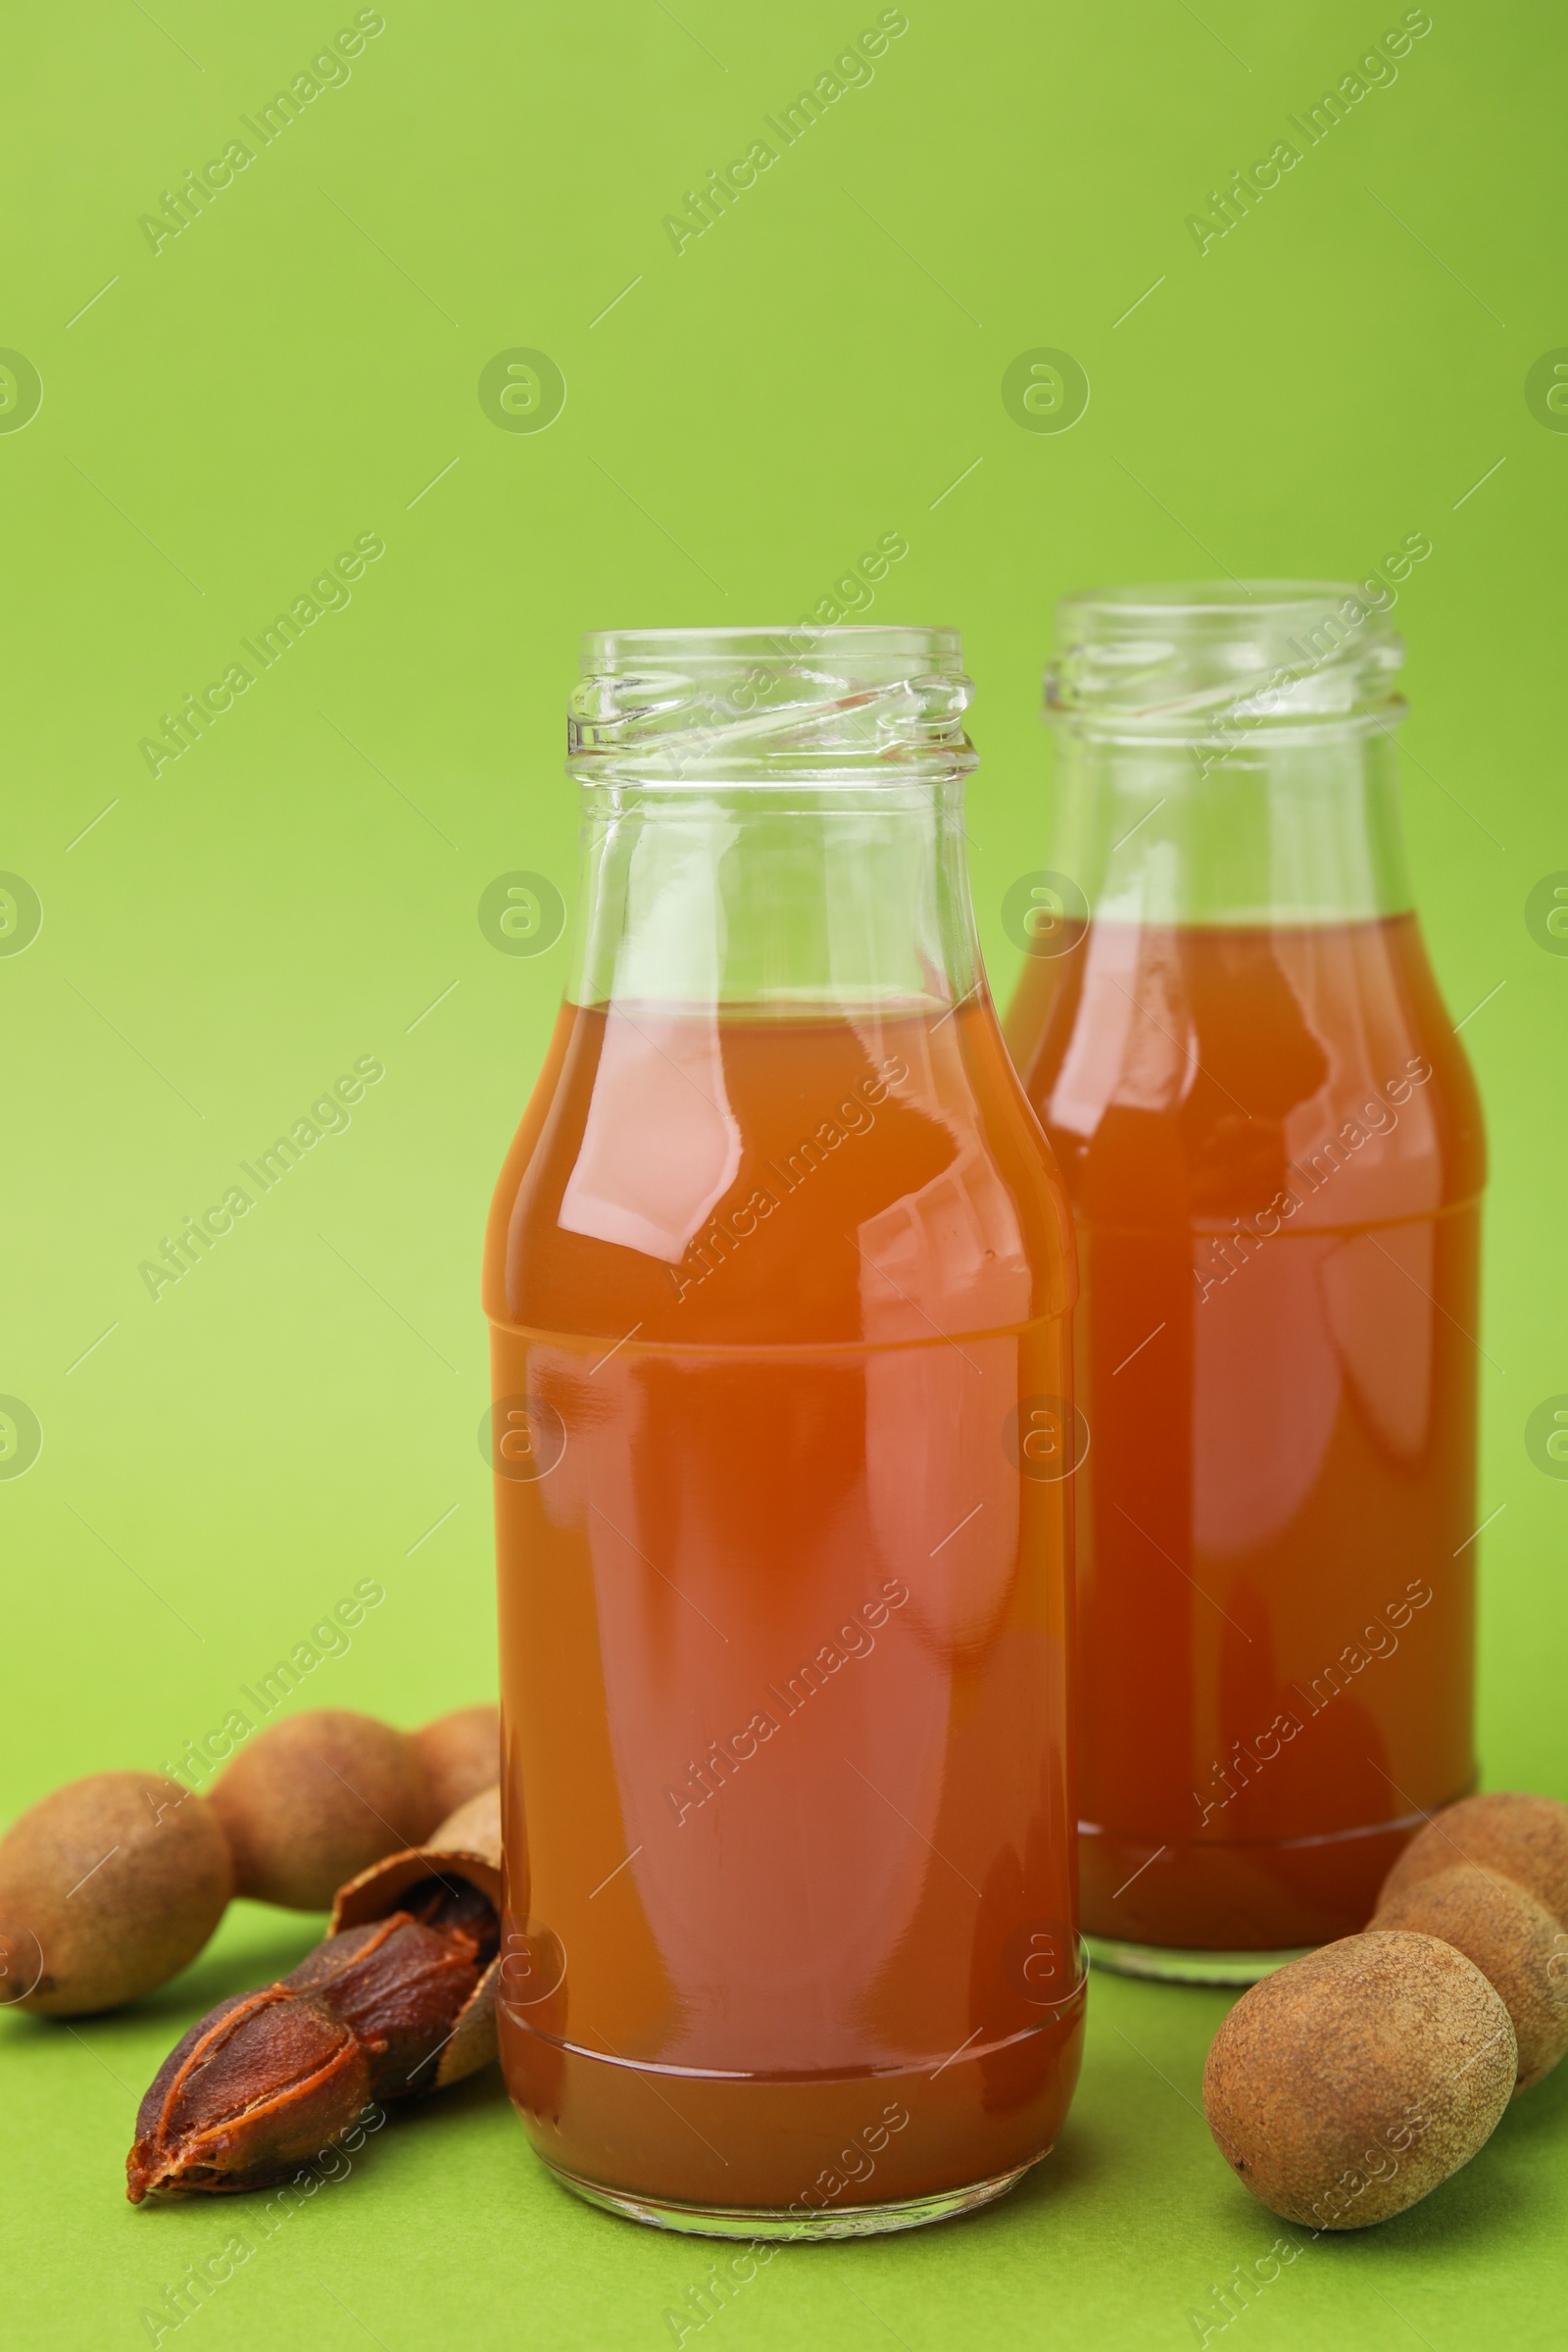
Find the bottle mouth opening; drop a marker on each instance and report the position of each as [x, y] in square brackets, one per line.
[1204, 656]
[763, 705]
[607, 653]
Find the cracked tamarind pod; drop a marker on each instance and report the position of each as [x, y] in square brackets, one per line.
[397, 2001]
[466, 1845]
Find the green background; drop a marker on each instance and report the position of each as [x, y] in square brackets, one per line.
[743, 419]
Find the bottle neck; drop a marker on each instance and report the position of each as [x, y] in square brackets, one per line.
[1288, 826]
[786, 898]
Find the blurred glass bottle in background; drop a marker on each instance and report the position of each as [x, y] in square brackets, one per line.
[1273, 1146]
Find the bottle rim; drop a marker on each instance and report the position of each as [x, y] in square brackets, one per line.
[609, 651]
[790, 705]
[1201, 598]
[1206, 657]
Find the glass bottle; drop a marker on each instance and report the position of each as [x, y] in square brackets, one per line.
[779, 1277]
[1273, 1146]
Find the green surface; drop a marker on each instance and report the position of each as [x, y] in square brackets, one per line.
[446, 2229]
[301, 366]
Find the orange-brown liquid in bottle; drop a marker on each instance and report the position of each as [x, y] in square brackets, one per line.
[1273, 1148]
[788, 1820]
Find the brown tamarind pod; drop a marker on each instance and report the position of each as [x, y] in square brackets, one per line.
[108, 1888]
[315, 1799]
[461, 1754]
[1507, 1833]
[1515, 1943]
[1347, 2085]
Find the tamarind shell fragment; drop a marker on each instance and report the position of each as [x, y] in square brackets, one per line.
[472, 1861]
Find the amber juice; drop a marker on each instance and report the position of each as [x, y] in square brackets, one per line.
[1273, 1146]
[788, 1819]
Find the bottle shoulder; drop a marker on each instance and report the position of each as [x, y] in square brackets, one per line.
[1182, 1077]
[864, 1178]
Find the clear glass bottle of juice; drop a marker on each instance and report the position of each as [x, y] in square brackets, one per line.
[1273, 1146]
[779, 1276]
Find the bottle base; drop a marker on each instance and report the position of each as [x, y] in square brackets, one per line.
[759, 2223]
[1260, 1900]
[1170, 1964]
